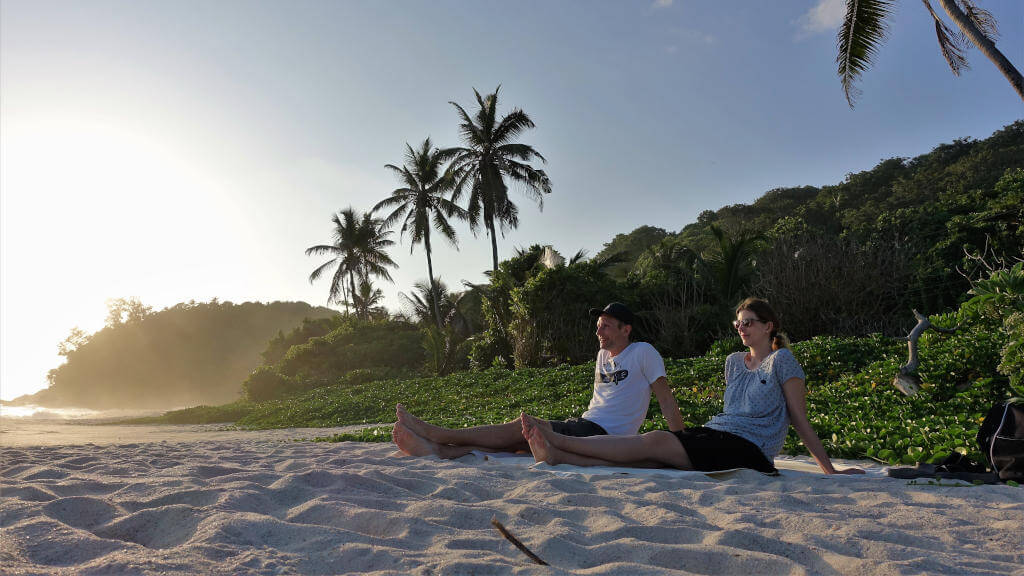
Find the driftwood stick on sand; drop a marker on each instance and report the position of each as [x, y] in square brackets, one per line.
[508, 536]
[907, 381]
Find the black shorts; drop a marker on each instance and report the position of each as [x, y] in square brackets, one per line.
[578, 427]
[711, 449]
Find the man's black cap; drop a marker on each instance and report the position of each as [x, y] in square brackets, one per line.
[616, 310]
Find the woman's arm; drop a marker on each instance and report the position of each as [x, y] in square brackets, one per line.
[667, 401]
[796, 402]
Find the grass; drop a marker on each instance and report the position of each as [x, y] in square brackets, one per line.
[851, 403]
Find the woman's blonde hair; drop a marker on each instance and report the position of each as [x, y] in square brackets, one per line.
[765, 313]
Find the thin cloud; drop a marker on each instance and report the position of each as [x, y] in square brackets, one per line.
[661, 3]
[824, 16]
[690, 36]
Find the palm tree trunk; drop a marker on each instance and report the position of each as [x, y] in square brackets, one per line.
[433, 285]
[352, 282]
[489, 213]
[494, 245]
[987, 47]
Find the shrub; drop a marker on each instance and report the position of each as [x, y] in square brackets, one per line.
[265, 383]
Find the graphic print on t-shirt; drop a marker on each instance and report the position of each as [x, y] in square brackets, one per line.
[614, 377]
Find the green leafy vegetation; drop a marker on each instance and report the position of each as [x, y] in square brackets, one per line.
[345, 355]
[851, 403]
[1000, 299]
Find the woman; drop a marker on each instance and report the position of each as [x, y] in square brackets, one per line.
[764, 394]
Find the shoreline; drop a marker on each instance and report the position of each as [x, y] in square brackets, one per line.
[29, 432]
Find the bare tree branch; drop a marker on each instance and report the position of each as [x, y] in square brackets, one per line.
[907, 381]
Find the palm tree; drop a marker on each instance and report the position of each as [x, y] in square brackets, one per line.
[367, 300]
[422, 200]
[431, 302]
[345, 224]
[445, 344]
[358, 250]
[489, 156]
[732, 264]
[864, 29]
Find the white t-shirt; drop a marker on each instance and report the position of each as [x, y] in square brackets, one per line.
[622, 388]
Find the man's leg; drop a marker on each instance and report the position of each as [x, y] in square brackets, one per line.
[657, 446]
[415, 445]
[507, 437]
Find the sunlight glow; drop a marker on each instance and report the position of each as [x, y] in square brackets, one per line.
[92, 210]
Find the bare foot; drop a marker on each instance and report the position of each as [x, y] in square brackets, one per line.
[422, 429]
[411, 443]
[542, 450]
[529, 423]
[532, 422]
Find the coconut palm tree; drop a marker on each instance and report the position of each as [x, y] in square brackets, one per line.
[367, 300]
[345, 224]
[428, 299]
[358, 251]
[732, 264]
[491, 155]
[422, 201]
[447, 342]
[864, 29]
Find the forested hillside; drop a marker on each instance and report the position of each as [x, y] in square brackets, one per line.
[850, 258]
[188, 354]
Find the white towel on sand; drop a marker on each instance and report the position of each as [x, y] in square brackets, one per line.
[789, 466]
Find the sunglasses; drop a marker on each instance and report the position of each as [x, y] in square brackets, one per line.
[746, 322]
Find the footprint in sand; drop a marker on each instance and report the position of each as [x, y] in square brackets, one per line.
[45, 473]
[164, 527]
[48, 543]
[196, 498]
[29, 494]
[81, 511]
[207, 472]
[78, 463]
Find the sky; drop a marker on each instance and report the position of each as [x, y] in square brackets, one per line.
[187, 150]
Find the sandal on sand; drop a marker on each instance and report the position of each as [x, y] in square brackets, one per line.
[923, 470]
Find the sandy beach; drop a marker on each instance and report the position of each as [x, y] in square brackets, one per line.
[208, 501]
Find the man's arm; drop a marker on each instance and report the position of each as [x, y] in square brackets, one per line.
[663, 392]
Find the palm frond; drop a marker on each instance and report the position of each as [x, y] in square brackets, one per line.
[445, 228]
[580, 256]
[982, 19]
[315, 275]
[511, 125]
[519, 151]
[468, 130]
[451, 209]
[859, 37]
[338, 290]
[448, 154]
[609, 260]
[395, 215]
[952, 44]
[321, 249]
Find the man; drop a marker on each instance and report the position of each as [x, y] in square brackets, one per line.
[624, 378]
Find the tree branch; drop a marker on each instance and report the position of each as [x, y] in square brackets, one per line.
[508, 536]
[907, 381]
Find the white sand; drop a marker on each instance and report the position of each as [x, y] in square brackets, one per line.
[254, 503]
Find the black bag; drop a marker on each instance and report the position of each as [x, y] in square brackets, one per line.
[1001, 439]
